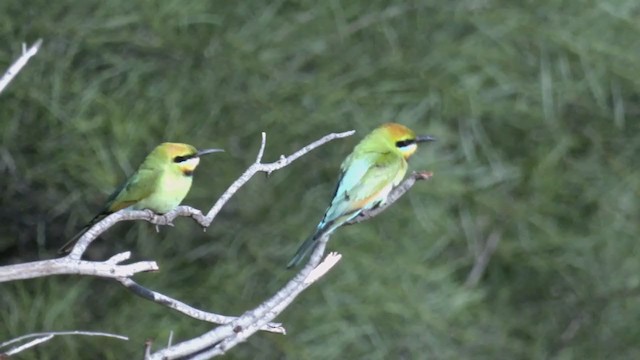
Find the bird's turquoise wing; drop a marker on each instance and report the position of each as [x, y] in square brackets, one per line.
[364, 183]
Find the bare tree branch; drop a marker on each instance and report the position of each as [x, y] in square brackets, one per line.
[108, 269]
[205, 221]
[72, 263]
[226, 336]
[219, 340]
[273, 307]
[268, 168]
[233, 330]
[28, 345]
[223, 338]
[46, 336]
[187, 309]
[394, 195]
[15, 68]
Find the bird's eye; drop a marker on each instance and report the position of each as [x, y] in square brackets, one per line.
[403, 143]
[179, 159]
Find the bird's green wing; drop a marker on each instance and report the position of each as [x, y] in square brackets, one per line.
[139, 186]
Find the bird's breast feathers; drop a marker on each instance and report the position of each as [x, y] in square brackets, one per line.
[170, 192]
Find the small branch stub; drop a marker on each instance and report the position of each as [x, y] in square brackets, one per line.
[15, 68]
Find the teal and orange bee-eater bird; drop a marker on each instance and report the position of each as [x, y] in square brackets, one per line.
[376, 165]
[160, 183]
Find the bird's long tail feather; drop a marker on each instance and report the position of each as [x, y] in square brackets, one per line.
[309, 244]
[302, 252]
[66, 248]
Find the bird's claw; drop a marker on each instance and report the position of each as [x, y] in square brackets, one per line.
[423, 175]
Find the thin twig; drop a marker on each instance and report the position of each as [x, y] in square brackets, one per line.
[28, 345]
[268, 168]
[263, 144]
[15, 68]
[187, 309]
[46, 336]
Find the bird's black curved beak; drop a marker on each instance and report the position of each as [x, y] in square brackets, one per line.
[208, 151]
[425, 138]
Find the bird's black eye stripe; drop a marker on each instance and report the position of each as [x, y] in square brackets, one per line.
[403, 143]
[179, 159]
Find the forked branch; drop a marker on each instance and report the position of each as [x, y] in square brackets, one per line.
[219, 340]
[205, 221]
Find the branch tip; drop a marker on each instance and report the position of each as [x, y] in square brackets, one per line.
[422, 175]
[327, 264]
[263, 144]
[118, 258]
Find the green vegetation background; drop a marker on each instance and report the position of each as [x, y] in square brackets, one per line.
[534, 103]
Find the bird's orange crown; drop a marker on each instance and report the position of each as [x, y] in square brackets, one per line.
[178, 149]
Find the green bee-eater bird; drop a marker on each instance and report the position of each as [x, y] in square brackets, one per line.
[160, 183]
[376, 165]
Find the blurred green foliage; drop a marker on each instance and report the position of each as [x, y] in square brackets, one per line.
[533, 103]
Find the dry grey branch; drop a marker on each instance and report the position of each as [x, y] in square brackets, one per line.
[108, 269]
[219, 340]
[128, 215]
[394, 195]
[256, 319]
[46, 336]
[15, 68]
[234, 329]
[188, 310]
[223, 338]
[268, 168]
[276, 305]
[205, 221]
[72, 263]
